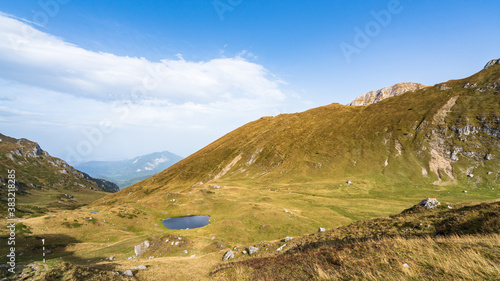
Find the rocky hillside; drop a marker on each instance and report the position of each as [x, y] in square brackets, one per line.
[36, 168]
[39, 174]
[387, 92]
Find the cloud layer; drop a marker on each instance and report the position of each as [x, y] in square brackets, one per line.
[49, 84]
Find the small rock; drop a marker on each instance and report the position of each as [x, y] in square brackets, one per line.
[450, 207]
[465, 191]
[185, 251]
[349, 182]
[288, 238]
[141, 248]
[228, 255]
[192, 256]
[429, 203]
[140, 267]
[321, 229]
[151, 257]
[281, 247]
[487, 157]
[406, 265]
[470, 175]
[489, 173]
[111, 258]
[128, 273]
[244, 252]
[252, 250]
[176, 243]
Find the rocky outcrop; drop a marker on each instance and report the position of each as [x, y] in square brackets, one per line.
[128, 273]
[140, 267]
[228, 255]
[252, 250]
[492, 63]
[141, 248]
[387, 92]
[429, 203]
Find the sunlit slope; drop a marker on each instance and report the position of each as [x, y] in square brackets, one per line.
[445, 134]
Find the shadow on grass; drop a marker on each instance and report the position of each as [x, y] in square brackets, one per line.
[60, 263]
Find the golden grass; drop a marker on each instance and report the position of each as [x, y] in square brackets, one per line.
[469, 257]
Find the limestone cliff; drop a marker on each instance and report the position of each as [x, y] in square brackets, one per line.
[387, 92]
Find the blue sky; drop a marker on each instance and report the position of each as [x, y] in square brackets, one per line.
[219, 64]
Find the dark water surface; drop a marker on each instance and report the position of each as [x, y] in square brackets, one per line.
[186, 222]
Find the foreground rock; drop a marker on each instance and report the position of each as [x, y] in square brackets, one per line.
[228, 255]
[252, 250]
[140, 267]
[128, 273]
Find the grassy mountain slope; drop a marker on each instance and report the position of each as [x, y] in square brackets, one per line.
[337, 142]
[435, 141]
[42, 180]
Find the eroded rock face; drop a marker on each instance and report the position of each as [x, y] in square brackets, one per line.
[387, 92]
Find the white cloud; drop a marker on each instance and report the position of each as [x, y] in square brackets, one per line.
[45, 80]
[42, 60]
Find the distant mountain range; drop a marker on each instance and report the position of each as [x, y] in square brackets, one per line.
[127, 172]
